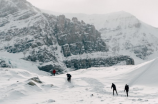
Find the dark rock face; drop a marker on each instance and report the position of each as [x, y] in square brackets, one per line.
[143, 51]
[31, 83]
[3, 64]
[50, 68]
[42, 54]
[66, 50]
[130, 61]
[96, 62]
[36, 79]
[28, 37]
[76, 37]
[76, 48]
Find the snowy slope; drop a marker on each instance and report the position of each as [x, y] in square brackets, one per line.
[89, 86]
[17, 14]
[16, 61]
[145, 75]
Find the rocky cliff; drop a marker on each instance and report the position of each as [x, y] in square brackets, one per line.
[45, 39]
[99, 62]
[76, 37]
[4, 64]
[124, 34]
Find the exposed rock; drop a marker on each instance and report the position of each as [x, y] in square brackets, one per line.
[82, 22]
[36, 79]
[143, 51]
[31, 83]
[77, 38]
[3, 64]
[61, 22]
[50, 68]
[42, 54]
[75, 20]
[96, 62]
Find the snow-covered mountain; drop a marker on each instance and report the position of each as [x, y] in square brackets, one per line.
[32, 40]
[124, 33]
[25, 29]
[51, 41]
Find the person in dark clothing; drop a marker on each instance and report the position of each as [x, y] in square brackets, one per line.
[68, 77]
[54, 72]
[114, 88]
[126, 89]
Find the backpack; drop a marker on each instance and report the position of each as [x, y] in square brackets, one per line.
[68, 75]
[127, 87]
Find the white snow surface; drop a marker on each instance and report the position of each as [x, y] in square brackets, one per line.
[88, 86]
[16, 60]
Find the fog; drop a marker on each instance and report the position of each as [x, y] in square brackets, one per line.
[145, 10]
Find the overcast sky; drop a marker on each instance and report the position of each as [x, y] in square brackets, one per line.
[145, 10]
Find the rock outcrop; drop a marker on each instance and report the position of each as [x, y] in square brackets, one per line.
[77, 38]
[97, 62]
[49, 68]
[4, 64]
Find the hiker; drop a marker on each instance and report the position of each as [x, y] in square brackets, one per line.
[54, 72]
[126, 89]
[114, 88]
[68, 77]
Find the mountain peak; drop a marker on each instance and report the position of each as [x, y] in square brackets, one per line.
[12, 6]
[120, 13]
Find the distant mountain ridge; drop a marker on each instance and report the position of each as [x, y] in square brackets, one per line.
[124, 33]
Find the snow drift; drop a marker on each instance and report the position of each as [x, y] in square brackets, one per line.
[145, 75]
[91, 85]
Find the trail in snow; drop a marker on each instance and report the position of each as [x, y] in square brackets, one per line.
[95, 85]
[89, 86]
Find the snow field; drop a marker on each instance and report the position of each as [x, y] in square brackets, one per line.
[89, 86]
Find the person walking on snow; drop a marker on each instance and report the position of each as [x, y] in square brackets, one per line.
[126, 89]
[114, 88]
[54, 72]
[68, 77]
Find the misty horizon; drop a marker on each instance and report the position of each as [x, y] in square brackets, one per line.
[146, 11]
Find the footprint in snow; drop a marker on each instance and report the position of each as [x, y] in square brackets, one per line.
[146, 100]
[133, 99]
[140, 99]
